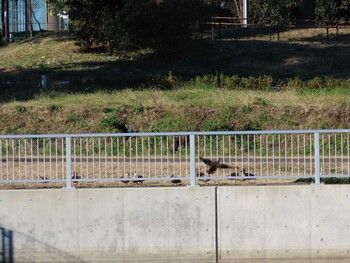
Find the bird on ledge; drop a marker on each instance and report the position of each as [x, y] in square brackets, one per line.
[213, 165]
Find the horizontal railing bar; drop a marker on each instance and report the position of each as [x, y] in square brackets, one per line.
[83, 135]
[324, 160]
[33, 181]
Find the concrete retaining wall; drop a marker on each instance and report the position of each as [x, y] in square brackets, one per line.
[176, 224]
[284, 222]
[110, 224]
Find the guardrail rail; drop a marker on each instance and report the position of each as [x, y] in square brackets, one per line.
[186, 156]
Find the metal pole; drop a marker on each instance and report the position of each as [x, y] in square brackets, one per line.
[7, 19]
[43, 81]
[245, 13]
[192, 160]
[26, 18]
[317, 157]
[68, 163]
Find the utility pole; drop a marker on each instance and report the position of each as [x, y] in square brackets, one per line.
[5, 19]
[28, 18]
[245, 13]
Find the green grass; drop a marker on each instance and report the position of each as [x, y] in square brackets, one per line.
[232, 84]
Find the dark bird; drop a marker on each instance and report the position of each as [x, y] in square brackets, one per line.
[43, 178]
[214, 165]
[180, 141]
[247, 174]
[138, 176]
[200, 174]
[122, 127]
[126, 176]
[75, 176]
[234, 175]
[175, 181]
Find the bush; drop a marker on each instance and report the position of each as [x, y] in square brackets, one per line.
[165, 24]
[129, 23]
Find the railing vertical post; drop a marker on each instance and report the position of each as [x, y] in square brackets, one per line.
[317, 157]
[192, 160]
[68, 163]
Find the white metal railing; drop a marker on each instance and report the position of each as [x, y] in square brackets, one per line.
[174, 156]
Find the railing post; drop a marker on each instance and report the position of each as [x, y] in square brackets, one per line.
[68, 163]
[192, 160]
[317, 157]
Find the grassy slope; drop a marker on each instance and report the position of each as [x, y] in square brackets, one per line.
[186, 106]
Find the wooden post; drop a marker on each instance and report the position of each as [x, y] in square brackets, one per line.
[336, 29]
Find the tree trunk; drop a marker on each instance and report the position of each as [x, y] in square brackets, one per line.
[307, 9]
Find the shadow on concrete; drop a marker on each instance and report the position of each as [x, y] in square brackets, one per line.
[50, 253]
[6, 249]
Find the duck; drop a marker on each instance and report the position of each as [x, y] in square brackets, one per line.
[126, 176]
[233, 175]
[175, 181]
[43, 178]
[247, 174]
[138, 176]
[200, 174]
[75, 176]
[213, 165]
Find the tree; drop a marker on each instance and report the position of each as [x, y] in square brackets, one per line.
[35, 7]
[332, 9]
[121, 23]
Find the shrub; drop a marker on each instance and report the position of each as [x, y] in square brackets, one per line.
[74, 118]
[215, 125]
[53, 108]
[21, 109]
[111, 123]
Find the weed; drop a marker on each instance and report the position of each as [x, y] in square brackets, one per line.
[74, 118]
[54, 107]
[215, 125]
[260, 101]
[111, 110]
[21, 109]
[19, 125]
[266, 118]
[138, 109]
[111, 123]
[315, 83]
[251, 126]
[246, 109]
[294, 83]
[172, 122]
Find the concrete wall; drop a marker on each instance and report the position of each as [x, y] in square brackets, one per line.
[176, 224]
[110, 224]
[284, 221]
